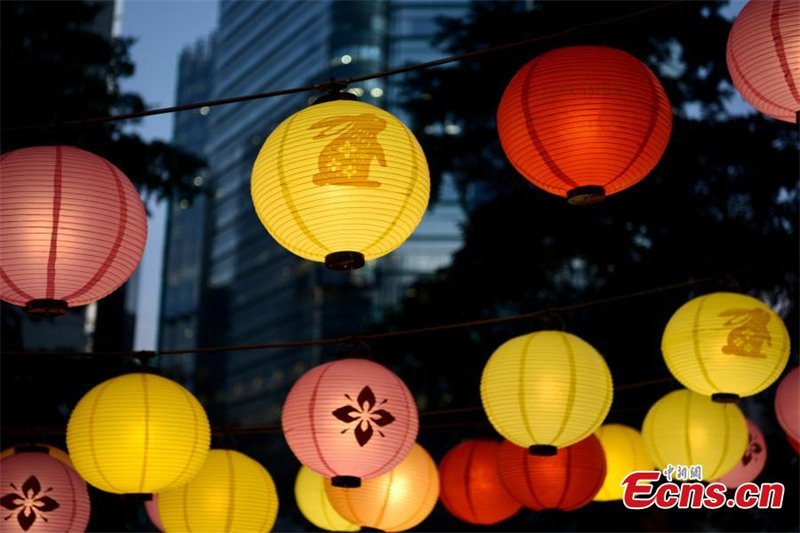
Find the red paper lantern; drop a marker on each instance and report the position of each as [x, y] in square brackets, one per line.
[584, 122]
[787, 403]
[349, 420]
[753, 460]
[764, 57]
[471, 487]
[39, 493]
[566, 481]
[72, 228]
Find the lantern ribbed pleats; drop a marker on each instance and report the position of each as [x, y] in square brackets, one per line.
[584, 116]
[396, 501]
[72, 226]
[350, 417]
[787, 404]
[725, 343]
[312, 500]
[231, 493]
[546, 388]
[686, 428]
[60, 497]
[625, 453]
[471, 488]
[566, 481]
[763, 57]
[138, 433]
[341, 176]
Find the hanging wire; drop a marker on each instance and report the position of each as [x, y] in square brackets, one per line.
[362, 339]
[325, 85]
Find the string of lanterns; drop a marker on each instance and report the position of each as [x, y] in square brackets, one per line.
[343, 182]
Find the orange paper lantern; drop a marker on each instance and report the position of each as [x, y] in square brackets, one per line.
[764, 57]
[349, 420]
[566, 481]
[584, 122]
[72, 228]
[471, 487]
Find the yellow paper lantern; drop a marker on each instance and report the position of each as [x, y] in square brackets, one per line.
[309, 492]
[725, 345]
[686, 428]
[232, 492]
[625, 453]
[546, 390]
[341, 182]
[396, 501]
[138, 433]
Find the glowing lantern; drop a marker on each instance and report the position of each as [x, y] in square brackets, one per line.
[725, 345]
[151, 508]
[471, 488]
[349, 420]
[546, 390]
[38, 447]
[396, 501]
[138, 433]
[309, 492]
[72, 228]
[764, 57]
[625, 453]
[232, 492]
[584, 122]
[686, 428]
[787, 404]
[751, 463]
[42, 494]
[341, 182]
[566, 481]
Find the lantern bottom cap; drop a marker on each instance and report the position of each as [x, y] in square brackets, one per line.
[543, 450]
[588, 195]
[724, 397]
[46, 307]
[346, 482]
[344, 260]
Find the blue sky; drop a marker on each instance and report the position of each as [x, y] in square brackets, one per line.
[162, 28]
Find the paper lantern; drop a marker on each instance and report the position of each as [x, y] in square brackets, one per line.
[138, 433]
[787, 404]
[309, 492]
[471, 488]
[232, 492]
[72, 228]
[751, 463]
[584, 122]
[151, 508]
[341, 182]
[396, 501]
[546, 390]
[349, 420]
[565, 481]
[625, 453]
[42, 494]
[764, 57]
[686, 428]
[38, 447]
[725, 345]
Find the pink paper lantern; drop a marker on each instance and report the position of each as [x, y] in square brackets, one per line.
[151, 507]
[752, 463]
[40, 494]
[787, 404]
[350, 420]
[72, 228]
[764, 57]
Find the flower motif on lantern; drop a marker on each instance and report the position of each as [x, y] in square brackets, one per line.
[28, 503]
[365, 415]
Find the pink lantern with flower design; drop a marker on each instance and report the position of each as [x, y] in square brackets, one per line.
[787, 404]
[349, 420]
[753, 460]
